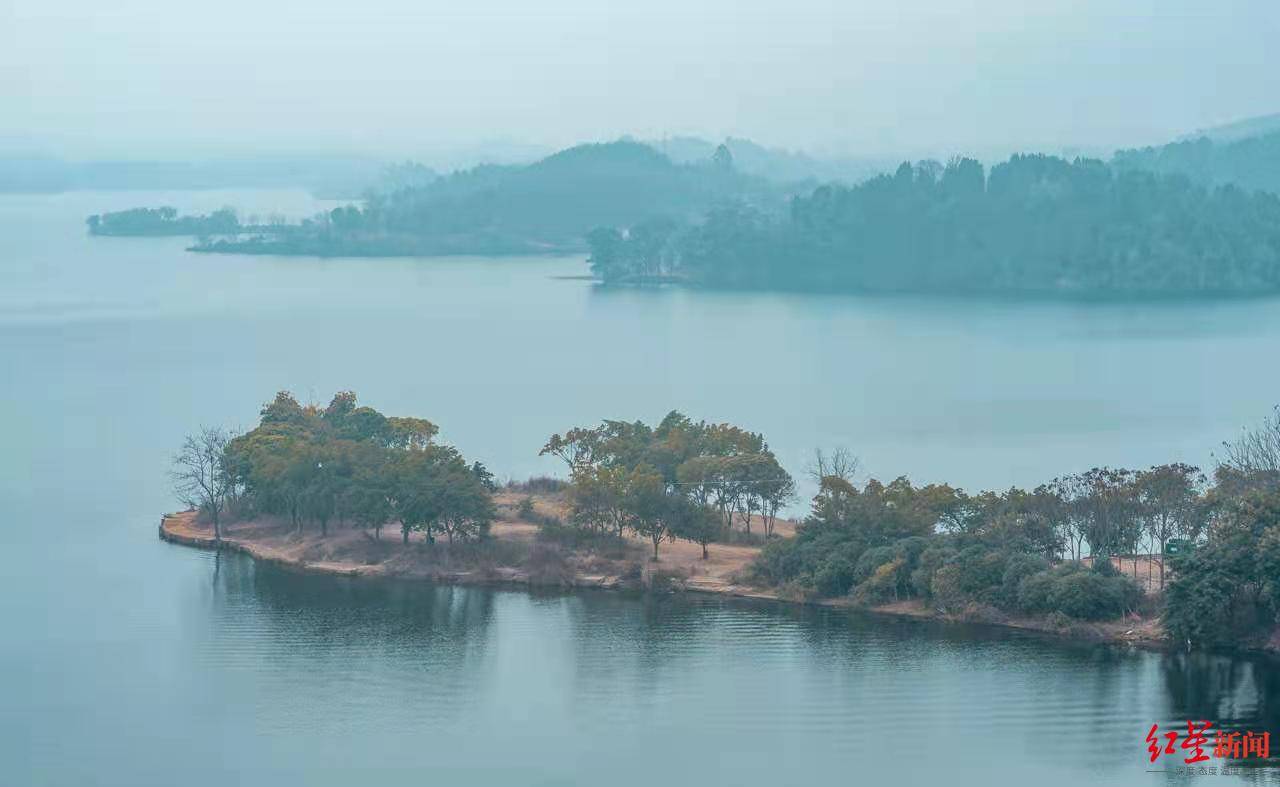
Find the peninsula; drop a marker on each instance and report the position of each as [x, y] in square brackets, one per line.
[695, 506]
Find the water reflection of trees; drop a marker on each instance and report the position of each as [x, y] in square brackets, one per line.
[1235, 693]
[347, 628]
[689, 662]
[829, 674]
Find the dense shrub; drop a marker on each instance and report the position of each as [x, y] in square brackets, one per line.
[971, 574]
[526, 510]
[833, 577]
[1017, 568]
[902, 556]
[554, 532]
[1079, 592]
[884, 584]
[871, 560]
[1091, 596]
[980, 572]
[1225, 592]
[987, 552]
[801, 560]
[1035, 592]
[539, 484]
[946, 586]
[931, 559]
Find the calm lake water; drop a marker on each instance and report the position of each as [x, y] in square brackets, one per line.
[128, 661]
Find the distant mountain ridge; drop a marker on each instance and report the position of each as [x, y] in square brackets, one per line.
[776, 164]
[1245, 154]
[547, 206]
[1238, 130]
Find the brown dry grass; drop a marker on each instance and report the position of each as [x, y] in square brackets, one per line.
[354, 551]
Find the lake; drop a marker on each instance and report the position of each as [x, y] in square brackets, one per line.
[130, 661]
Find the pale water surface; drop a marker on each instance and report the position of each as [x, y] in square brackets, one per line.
[127, 661]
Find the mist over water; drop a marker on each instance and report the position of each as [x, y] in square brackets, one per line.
[501, 353]
[133, 661]
[755, 145]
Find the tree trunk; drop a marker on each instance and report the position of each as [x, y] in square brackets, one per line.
[704, 550]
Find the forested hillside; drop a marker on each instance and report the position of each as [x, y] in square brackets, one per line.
[1035, 224]
[546, 206]
[1250, 162]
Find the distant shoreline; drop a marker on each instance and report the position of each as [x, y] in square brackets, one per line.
[271, 242]
[392, 248]
[273, 546]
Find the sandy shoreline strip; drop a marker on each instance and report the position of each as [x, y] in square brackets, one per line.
[314, 555]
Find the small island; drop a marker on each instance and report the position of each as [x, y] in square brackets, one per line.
[546, 207]
[1148, 557]
[162, 222]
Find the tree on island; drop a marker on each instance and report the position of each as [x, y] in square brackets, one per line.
[202, 475]
[680, 479]
[339, 465]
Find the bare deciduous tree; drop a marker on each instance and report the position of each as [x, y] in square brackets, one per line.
[201, 477]
[1257, 451]
[839, 463]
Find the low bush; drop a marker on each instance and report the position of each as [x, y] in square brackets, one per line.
[608, 545]
[549, 566]
[1018, 568]
[884, 584]
[539, 485]
[1079, 592]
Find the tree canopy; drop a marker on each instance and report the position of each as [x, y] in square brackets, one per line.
[1251, 162]
[680, 479]
[1028, 551]
[348, 463]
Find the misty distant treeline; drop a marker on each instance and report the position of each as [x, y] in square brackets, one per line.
[547, 206]
[162, 221]
[1251, 162]
[1035, 224]
[780, 166]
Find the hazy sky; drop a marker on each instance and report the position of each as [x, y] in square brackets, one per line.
[404, 77]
